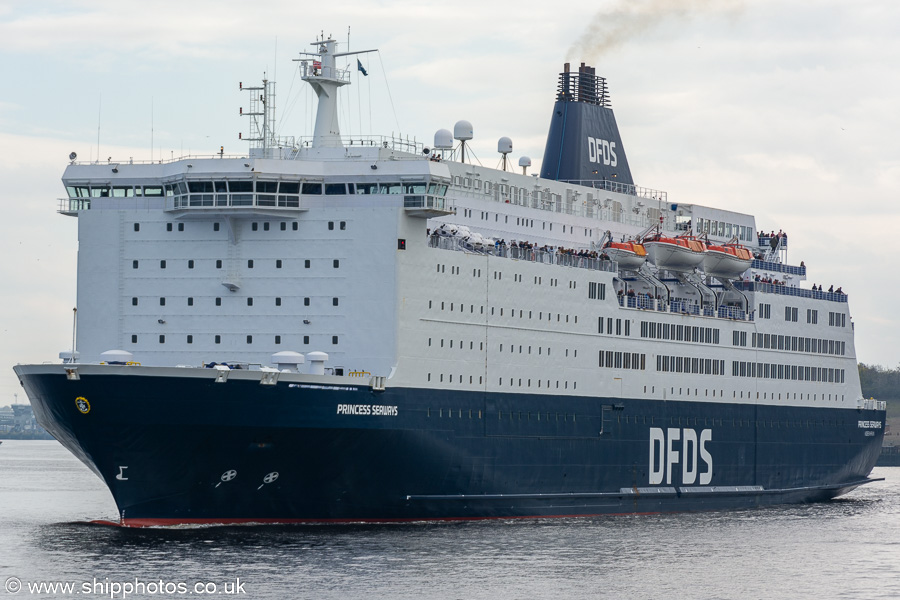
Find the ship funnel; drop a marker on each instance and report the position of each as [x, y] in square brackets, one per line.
[584, 141]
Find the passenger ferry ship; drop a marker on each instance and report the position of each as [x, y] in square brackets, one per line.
[341, 329]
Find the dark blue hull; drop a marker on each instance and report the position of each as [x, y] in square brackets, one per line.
[175, 449]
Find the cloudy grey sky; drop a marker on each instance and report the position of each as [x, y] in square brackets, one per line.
[786, 110]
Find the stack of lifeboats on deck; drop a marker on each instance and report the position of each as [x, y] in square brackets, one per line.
[682, 253]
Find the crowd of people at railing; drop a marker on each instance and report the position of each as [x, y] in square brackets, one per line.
[523, 250]
[771, 280]
[831, 289]
[773, 239]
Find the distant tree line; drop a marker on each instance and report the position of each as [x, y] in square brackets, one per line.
[879, 382]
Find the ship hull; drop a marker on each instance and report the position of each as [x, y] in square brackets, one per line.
[177, 449]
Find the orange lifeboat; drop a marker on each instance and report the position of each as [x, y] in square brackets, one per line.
[727, 260]
[681, 253]
[630, 255]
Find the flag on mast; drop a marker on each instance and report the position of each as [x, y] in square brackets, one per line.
[360, 68]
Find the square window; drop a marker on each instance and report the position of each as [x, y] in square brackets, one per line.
[219, 264]
[343, 225]
[265, 226]
[134, 339]
[168, 227]
[190, 264]
[254, 226]
[401, 244]
[306, 302]
[250, 264]
[277, 339]
[337, 264]
[218, 339]
[162, 301]
[218, 302]
[330, 225]
[181, 227]
[137, 226]
[295, 226]
[278, 264]
[277, 301]
[190, 301]
[305, 339]
[334, 301]
[134, 301]
[283, 226]
[305, 264]
[162, 339]
[249, 301]
[334, 339]
[162, 264]
[215, 226]
[190, 339]
[134, 264]
[249, 339]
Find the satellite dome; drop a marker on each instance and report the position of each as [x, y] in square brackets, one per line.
[462, 131]
[443, 139]
[504, 145]
[525, 161]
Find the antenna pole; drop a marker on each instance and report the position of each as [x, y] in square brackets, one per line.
[99, 107]
[74, 321]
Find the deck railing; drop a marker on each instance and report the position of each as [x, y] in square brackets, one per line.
[559, 258]
[784, 290]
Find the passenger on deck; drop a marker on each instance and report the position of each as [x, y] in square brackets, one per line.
[839, 290]
[831, 289]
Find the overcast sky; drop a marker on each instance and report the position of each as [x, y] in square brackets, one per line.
[787, 110]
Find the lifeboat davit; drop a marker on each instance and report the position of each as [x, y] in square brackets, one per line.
[629, 255]
[727, 261]
[681, 253]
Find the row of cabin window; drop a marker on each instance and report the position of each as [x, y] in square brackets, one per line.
[451, 412]
[538, 383]
[218, 339]
[791, 314]
[254, 226]
[190, 301]
[623, 360]
[461, 344]
[512, 347]
[836, 319]
[523, 222]
[498, 275]
[690, 364]
[609, 326]
[596, 291]
[739, 395]
[792, 372]
[713, 422]
[679, 333]
[793, 343]
[307, 263]
[459, 379]
[462, 308]
[306, 188]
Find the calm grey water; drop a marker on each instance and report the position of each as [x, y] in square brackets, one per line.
[847, 548]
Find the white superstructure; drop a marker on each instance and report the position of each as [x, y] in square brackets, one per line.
[331, 245]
